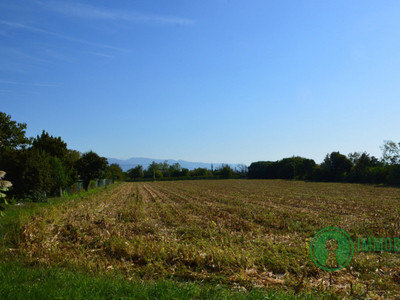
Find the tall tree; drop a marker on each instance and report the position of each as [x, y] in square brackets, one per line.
[391, 152]
[60, 174]
[54, 146]
[57, 148]
[154, 167]
[12, 134]
[336, 166]
[175, 169]
[91, 166]
[116, 171]
[136, 172]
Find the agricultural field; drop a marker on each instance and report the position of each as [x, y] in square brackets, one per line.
[245, 234]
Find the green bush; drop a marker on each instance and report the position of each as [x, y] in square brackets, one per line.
[92, 185]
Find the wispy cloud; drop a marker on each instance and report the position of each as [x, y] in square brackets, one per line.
[65, 37]
[102, 54]
[91, 12]
[31, 84]
[16, 94]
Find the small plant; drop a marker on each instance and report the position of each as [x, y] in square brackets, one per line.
[4, 187]
[92, 185]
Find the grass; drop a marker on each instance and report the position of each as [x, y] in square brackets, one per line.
[238, 234]
[18, 282]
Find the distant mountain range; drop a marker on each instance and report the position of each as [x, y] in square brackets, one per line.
[145, 162]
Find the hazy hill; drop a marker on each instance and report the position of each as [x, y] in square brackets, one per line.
[145, 162]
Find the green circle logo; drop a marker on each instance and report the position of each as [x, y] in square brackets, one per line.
[331, 249]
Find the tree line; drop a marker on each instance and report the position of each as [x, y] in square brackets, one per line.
[43, 164]
[164, 170]
[357, 167]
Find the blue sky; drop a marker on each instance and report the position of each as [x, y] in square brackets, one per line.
[211, 81]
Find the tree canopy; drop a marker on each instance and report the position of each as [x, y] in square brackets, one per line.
[12, 134]
[91, 166]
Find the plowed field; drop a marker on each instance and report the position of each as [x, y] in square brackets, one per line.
[238, 232]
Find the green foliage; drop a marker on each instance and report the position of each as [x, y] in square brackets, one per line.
[184, 172]
[57, 148]
[4, 187]
[364, 167]
[92, 185]
[116, 171]
[12, 134]
[390, 152]
[335, 167]
[199, 172]
[286, 168]
[175, 169]
[91, 166]
[226, 172]
[35, 196]
[159, 174]
[54, 146]
[60, 175]
[136, 172]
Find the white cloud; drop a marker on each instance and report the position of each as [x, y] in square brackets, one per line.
[91, 12]
[65, 37]
[102, 54]
[31, 84]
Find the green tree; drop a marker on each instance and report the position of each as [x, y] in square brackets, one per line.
[91, 167]
[199, 172]
[12, 134]
[390, 152]
[60, 174]
[335, 167]
[136, 172]
[57, 148]
[363, 165]
[226, 171]
[36, 175]
[175, 169]
[153, 168]
[116, 171]
[54, 146]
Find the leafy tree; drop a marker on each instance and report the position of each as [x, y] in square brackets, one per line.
[175, 169]
[199, 172]
[164, 168]
[336, 166]
[226, 171]
[260, 170]
[91, 167]
[57, 148]
[12, 134]
[31, 172]
[136, 172]
[242, 169]
[184, 172]
[60, 174]
[153, 168]
[52, 145]
[363, 164]
[117, 172]
[391, 152]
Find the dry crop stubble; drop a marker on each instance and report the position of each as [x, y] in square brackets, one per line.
[252, 232]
